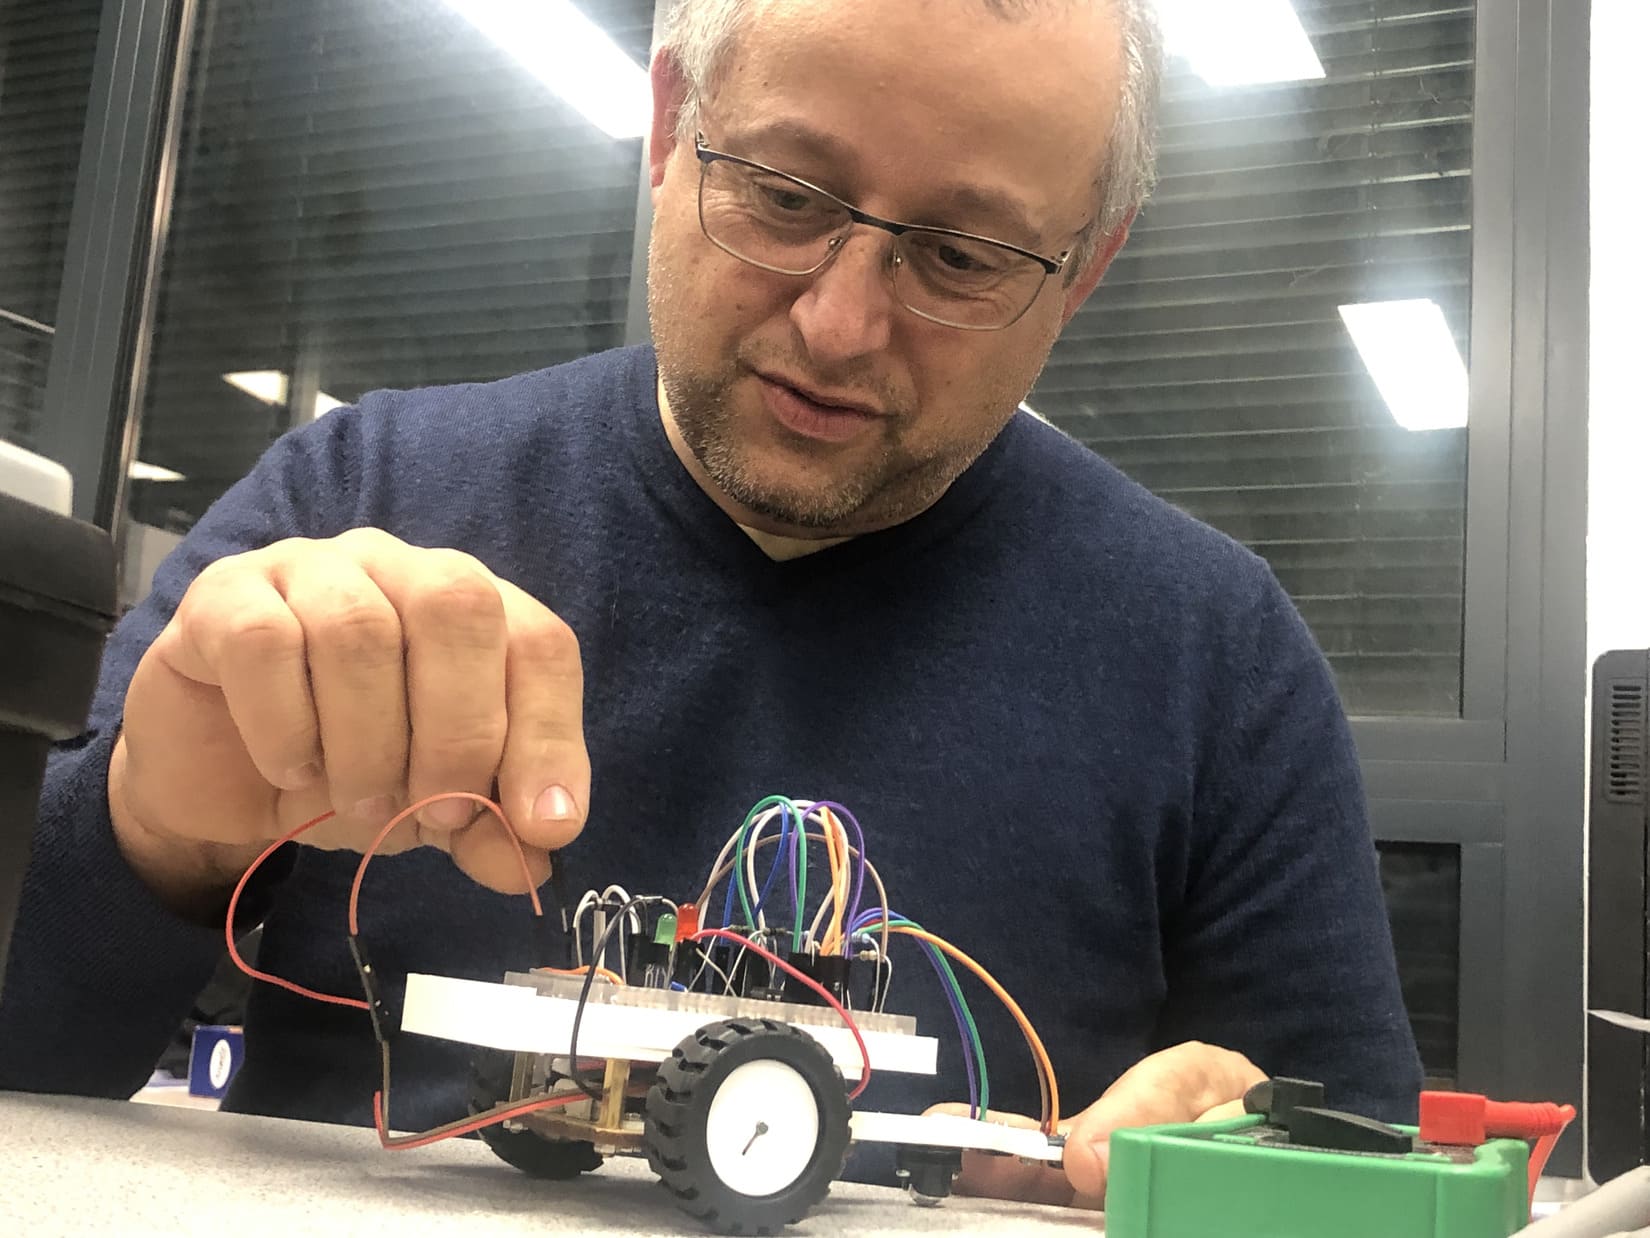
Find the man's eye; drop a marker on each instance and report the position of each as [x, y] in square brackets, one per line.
[961, 260]
[790, 201]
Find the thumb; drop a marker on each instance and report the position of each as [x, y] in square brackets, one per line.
[1182, 1084]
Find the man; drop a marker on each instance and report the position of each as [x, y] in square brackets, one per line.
[811, 549]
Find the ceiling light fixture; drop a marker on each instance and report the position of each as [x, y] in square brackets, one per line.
[1409, 352]
[573, 56]
[1241, 42]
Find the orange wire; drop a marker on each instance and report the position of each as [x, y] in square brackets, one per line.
[1045, 1067]
[603, 972]
[830, 824]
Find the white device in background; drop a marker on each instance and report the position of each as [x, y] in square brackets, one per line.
[35, 479]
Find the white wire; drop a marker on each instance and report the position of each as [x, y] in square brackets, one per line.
[588, 900]
[760, 824]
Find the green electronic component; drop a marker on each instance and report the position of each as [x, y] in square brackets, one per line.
[1244, 1178]
[664, 933]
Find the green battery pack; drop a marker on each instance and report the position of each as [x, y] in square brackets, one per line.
[1248, 1178]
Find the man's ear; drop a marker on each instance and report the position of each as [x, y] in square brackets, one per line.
[1089, 280]
[669, 93]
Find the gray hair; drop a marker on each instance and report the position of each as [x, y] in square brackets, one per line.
[699, 35]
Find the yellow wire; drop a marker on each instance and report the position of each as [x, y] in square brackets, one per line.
[1045, 1067]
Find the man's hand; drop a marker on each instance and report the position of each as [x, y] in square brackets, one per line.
[358, 674]
[1191, 1082]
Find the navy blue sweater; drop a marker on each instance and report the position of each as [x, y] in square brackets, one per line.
[1090, 741]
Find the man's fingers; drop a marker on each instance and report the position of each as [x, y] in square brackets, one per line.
[544, 776]
[1008, 1177]
[486, 853]
[356, 649]
[456, 640]
[234, 632]
[1174, 1086]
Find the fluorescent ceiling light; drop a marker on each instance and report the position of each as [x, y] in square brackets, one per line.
[1411, 355]
[1026, 408]
[325, 403]
[151, 472]
[270, 386]
[274, 387]
[1240, 42]
[573, 56]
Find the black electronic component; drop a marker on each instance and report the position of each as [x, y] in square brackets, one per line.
[1277, 1098]
[57, 604]
[1297, 1106]
[1346, 1132]
[852, 981]
[927, 1173]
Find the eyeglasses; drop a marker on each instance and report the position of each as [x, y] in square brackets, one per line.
[782, 224]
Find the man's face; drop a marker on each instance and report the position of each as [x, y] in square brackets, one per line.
[820, 406]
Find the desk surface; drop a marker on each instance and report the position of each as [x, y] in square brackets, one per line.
[69, 1165]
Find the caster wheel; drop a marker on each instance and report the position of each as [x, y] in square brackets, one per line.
[491, 1071]
[747, 1124]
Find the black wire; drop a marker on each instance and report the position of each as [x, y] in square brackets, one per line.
[596, 951]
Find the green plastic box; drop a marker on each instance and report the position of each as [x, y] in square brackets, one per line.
[1236, 1179]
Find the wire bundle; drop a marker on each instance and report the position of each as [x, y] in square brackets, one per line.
[838, 928]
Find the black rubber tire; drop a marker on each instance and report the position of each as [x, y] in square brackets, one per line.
[678, 1105]
[556, 1160]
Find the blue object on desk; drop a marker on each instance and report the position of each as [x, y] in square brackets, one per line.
[215, 1054]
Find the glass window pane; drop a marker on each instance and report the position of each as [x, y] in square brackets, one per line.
[47, 48]
[370, 193]
[1218, 363]
[1422, 884]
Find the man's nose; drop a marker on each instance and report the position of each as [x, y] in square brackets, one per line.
[848, 310]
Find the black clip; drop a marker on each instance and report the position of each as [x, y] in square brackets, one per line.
[369, 985]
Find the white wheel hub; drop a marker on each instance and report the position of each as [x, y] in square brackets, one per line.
[762, 1128]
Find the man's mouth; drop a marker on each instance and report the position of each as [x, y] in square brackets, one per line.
[822, 416]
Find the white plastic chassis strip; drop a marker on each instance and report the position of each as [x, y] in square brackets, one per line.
[515, 1017]
[944, 1130]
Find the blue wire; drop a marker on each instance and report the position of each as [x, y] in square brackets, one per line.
[778, 858]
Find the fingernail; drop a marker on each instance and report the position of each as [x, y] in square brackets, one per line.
[449, 814]
[554, 804]
[378, 809]
[302, 777]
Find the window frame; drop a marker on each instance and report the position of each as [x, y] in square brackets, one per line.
[1503, 782]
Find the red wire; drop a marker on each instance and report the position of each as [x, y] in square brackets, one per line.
[1544, 1148]
[509, 830]
[864, 1053]
[229, 925]
[355, 887]
[401, 1143]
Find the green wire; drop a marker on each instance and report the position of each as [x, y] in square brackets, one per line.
[943, 964]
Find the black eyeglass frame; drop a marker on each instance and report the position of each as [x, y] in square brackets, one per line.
[707, 156]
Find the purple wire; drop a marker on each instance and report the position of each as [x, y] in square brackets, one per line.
[873, 917]
[859, 866]
[962, 1034]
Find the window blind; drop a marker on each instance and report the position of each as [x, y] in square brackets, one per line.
[1213, 365]
[372, 193]
[46, 53]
